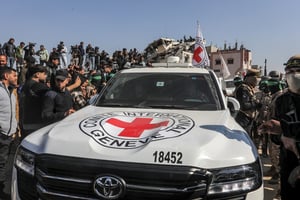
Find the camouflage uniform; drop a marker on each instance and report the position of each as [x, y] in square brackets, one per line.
[245, 117]
[262, 116]
[245, 94]
[276, 89]
[274, 148]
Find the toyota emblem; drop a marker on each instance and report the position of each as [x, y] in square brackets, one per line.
[109, 187]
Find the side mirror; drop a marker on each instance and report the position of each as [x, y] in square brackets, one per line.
[233, 105]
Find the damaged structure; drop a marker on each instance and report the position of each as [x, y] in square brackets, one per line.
[167, 50]
[170, 50]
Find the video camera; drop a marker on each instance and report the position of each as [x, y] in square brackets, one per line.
[75, 51]
[31, 44]
[59, 47]
[74, 48]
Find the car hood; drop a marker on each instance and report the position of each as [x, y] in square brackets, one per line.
[206, 139]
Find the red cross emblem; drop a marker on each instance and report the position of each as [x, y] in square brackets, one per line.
[197, 53]
[136, 127]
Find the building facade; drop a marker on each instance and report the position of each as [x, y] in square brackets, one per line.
[237, 60]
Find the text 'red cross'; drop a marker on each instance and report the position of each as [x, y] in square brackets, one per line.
[136, 127]
[196, 56]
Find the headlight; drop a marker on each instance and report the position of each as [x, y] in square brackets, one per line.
[236, 180]
[24, 160]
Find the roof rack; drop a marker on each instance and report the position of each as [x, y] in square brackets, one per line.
[166, 64]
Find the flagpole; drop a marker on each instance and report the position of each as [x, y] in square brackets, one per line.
[265, 69]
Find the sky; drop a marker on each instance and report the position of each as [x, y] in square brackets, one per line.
[268, 28]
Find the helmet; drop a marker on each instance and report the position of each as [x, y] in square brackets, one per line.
[237, 80]
[253, 72]
[274, 75]
[263, 86]
[293, 62]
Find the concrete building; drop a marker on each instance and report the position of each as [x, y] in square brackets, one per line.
[237, 59]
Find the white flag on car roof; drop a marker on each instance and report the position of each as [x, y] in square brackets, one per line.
[200, 57]
[224, 67]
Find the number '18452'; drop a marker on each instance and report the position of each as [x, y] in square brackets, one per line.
[167, 157]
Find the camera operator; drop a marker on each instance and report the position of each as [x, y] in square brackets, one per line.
[29, 51]
[97, 57]
[82, 53]
[75, 53]
[62, 50]
[90, 57]
[285, 125]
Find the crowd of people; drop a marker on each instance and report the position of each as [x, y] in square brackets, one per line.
[40, 87]
[270, 113]
[89, 56]
[256, 99]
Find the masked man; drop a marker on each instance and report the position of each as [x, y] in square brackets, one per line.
[286, 124]
[245, 94]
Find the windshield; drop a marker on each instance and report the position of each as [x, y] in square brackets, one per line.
[159, 90]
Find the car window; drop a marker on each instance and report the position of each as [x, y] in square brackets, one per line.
[180, 91]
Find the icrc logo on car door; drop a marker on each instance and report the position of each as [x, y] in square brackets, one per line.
[128, 130]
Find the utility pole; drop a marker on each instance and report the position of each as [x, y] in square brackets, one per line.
[265, 71]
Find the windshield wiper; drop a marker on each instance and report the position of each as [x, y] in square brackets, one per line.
[124, 105]
[186, 107]
[115, 104]
[169, 106]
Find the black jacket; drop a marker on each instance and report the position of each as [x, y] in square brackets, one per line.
[287, 111]
[31, 100]
[245, 96]
[55, 104]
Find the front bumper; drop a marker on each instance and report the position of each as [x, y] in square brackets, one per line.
[69, 178]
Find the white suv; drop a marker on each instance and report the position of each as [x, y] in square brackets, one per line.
[153, 133]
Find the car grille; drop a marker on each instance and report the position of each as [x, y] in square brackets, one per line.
[72, 178]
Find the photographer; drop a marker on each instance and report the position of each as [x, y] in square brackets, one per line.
[90, 57]
[62, 50]
[29, 51]
[75, 53]
[286, 126]
[82, 53]
[97, 57]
